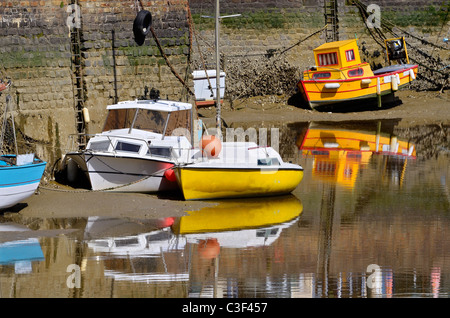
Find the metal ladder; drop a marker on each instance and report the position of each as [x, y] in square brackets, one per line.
[331, 20]
[78, 84]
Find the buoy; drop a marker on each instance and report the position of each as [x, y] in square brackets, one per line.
[165, 222]
[378, 92]
[170, 175]
[411, 74]
[394, 83]
[211, 146]
[72, 171]
[142, 23]
[209, 248]
[141, 26]
[332, 85]
[86, 116]
[378, 86]
[393, 147]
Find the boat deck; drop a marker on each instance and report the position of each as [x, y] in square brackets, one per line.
[392, 68]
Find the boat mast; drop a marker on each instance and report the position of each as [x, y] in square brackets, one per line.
[218, 120]
[218, 105]
[8, 108]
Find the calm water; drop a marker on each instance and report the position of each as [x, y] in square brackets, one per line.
[364, 222]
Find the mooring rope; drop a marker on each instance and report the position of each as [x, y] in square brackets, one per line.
[111, 188]
[282, 51]
[433, 63]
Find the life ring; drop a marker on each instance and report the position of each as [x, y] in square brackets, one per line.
[142, 23]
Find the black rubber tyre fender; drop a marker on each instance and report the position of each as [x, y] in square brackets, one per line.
[142, 23]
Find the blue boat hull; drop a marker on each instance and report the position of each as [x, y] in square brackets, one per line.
[18, 182]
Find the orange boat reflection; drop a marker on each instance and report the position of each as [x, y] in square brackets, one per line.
[341, 152]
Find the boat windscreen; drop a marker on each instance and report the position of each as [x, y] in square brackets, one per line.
[179, 119]
[119, 119]
[149, 120]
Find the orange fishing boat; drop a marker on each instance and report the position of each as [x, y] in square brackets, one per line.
[339, 75]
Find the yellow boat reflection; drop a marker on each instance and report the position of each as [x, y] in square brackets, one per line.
[230, 224]
[340, 152]
[239, 214]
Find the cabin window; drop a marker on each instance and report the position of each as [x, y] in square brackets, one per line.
[356, 72]
[125, 146]
[267, 232]
[100, 145]
[328, 59]
[350, 55]
[127, 241]
[322, 75]
[268, 162]
[320, 152]
[160, 151]
[354, 155]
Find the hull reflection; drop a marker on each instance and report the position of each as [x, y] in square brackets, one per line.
[340, 151]
[163, 250]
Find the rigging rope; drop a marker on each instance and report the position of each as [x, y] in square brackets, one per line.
[389, 26]
[282, 51]
[163, 54]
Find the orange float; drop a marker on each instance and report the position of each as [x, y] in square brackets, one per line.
[209, 248]
[170, 175]
[211, 146]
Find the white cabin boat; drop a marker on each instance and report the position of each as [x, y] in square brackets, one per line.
[141, 141]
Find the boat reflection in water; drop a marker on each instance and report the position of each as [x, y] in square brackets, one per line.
[341, 150]
[187, 248]
[19, 253]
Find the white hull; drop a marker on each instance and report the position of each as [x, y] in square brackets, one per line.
[126, 174]
[10, 196]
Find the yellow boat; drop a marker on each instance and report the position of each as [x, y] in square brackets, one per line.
[340, 76]
[241, 170]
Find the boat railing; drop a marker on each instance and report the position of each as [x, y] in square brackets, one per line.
[19, 160]
[108, 137]
[314, 68]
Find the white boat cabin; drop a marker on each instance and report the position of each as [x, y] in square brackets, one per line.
[156, 128]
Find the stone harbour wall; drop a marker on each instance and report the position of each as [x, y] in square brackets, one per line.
[36, 55]
[271, 38]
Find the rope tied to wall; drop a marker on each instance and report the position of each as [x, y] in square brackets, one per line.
[141, 27]
[434, 66]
